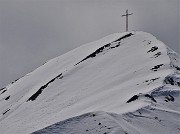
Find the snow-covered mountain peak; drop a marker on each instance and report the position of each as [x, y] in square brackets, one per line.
[124, 75]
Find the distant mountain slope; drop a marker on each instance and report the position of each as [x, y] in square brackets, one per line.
[132, 78]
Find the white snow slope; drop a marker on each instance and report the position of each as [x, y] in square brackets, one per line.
[125, 83]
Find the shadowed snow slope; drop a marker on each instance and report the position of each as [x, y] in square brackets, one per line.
[124, 83]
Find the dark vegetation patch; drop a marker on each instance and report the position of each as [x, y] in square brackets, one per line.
[157, 55]
[169, 98]
[151, 97]
[153, 49]
[135, 97]
[7, 98]
[99, 50]
[35, 95]
[155, 68]
[6, 111]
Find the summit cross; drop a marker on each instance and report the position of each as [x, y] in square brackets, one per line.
[127, 14]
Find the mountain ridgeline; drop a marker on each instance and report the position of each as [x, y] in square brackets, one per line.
[124, 83]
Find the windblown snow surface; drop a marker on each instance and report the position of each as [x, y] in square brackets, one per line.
[125, 83]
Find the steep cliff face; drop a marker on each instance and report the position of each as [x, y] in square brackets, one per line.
[123, 83]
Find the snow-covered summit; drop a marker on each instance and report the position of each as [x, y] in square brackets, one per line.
[132, 78]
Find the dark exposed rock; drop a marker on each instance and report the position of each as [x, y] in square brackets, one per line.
[6, 111]
[155, 68]
[155, 79]
[135, 97]
[125, 36]
[7, 98]
[2, 88]
[99, 50]
[172, 80]
[95, 53]
[169, 98]
[151, 97]
[151, 80]
[178, 68]
[3, 91]
[35, 95]
[153, 49]
[157, 55]
[169, 80]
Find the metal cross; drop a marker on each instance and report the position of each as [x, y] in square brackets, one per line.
[126, 19]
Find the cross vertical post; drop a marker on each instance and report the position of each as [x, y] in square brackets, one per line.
[127, 14]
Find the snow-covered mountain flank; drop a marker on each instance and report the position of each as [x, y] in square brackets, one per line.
[125, 83]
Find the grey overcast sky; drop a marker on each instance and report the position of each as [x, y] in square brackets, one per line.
[34, 31]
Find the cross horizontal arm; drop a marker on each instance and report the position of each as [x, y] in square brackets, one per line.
[127, 14]
[130, 14]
